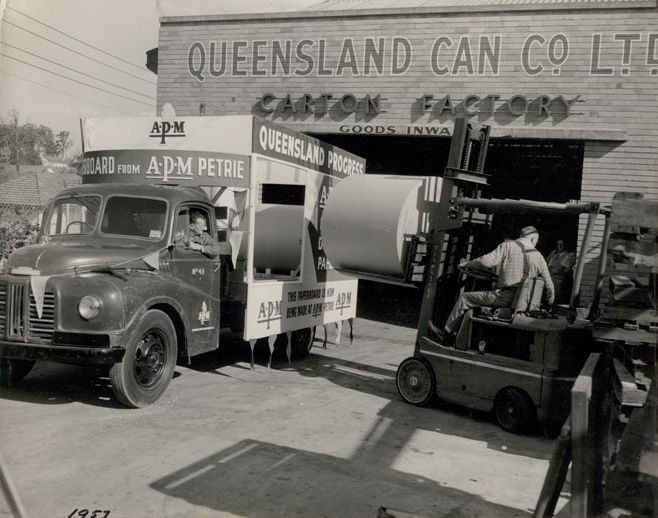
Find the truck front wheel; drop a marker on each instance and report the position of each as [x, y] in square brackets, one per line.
[148, 363]
[13, 371]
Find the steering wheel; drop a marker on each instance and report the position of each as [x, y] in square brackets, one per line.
[81, 223]
[479, 272]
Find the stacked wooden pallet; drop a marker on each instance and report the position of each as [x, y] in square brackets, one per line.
[629, 314]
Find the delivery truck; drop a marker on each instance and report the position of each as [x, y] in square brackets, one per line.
[113, 280]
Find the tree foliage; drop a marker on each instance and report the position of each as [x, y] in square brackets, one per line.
[15, 235]
[25, 143]
[63, 142]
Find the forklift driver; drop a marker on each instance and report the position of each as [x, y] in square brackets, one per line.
[517, 260]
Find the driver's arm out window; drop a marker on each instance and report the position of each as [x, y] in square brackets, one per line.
[181, 227]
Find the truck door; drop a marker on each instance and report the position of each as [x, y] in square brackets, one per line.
[199, 276]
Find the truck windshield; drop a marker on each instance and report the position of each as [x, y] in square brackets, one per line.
[136, 217]
[73, 215]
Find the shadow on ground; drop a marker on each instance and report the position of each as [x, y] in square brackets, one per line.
[60, 384]
[57, 384]
[258, 479]
[403, 419]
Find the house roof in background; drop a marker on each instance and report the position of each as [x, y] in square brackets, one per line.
[36, 188]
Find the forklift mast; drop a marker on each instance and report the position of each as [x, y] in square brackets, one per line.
[464, 177]
[463, 181]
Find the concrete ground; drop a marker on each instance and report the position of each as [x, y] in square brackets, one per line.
[326, 436]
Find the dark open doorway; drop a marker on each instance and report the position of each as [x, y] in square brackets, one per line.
[543, 170]
[392, 154]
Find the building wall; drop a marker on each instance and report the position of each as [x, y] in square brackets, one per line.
[616, 114]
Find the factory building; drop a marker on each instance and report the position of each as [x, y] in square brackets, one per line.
[570, 89]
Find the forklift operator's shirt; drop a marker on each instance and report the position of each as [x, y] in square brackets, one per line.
[509, 257]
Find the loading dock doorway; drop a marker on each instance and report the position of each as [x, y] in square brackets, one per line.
[543, 170]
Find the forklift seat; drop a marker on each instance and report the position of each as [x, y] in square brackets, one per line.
[528, 296]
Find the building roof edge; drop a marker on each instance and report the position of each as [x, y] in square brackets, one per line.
[412, 11]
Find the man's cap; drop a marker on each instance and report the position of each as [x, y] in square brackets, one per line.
[526, 231]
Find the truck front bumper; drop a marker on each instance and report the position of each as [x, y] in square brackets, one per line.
[76, 355]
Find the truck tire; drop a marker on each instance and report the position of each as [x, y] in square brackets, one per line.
[514, 409]
[415, 381]
[13, 371]
[148, 364]
[301, 342]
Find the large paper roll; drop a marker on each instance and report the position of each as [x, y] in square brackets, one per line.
[367, 222]
[278, 237]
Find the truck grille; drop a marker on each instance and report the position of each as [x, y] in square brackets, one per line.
[3, 309]
[42, 327]
[19, 319]
[16, 310]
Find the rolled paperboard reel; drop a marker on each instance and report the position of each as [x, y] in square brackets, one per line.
[368, 220]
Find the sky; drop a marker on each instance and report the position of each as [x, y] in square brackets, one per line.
[114, 82]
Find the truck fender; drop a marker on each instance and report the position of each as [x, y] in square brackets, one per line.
[175, 313]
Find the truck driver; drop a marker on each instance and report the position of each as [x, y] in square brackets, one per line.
[517, 260]
[199, 239]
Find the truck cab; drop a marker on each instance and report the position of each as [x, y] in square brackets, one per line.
[113, 281]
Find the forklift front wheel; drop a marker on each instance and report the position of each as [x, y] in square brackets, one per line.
[415, 381]
[515, 411]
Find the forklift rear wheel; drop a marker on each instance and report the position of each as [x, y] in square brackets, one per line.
[13, 371]
[415, 381]
[301, 342]
[515, 411]
[148, 363]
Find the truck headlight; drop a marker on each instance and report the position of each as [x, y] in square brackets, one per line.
[89, 307]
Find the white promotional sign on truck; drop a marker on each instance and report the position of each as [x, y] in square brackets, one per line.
[319, 294]
[273, 182]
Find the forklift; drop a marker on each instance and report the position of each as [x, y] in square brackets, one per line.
[519, 362]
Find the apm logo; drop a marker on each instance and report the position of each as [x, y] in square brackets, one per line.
[343, 301]
[204, 314]
[165, 129]
[269, 311]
